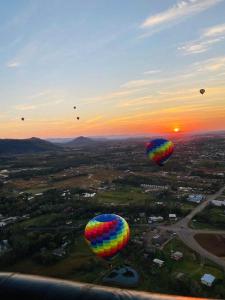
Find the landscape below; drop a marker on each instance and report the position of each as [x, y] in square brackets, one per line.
[50, 191]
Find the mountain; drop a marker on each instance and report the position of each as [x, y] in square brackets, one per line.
[22, 146]
[81, 141]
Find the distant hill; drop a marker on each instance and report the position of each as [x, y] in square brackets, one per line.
[81, 141]
[22, 146]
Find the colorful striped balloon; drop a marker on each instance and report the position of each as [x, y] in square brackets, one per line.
[107, 234]
[159, 150]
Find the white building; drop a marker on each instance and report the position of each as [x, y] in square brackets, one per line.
[89, 195]
[196, 198]
[177, 255]
[173, 217]
[155, 219]
[208, 279]
[158, 262]
[218, 203]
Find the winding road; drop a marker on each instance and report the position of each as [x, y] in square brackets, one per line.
[187, 234]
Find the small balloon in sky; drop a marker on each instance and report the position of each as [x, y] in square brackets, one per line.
[22, 119]
[74, 107]
[202, 91]
[78, 118]
[107, 235]
[159, 150]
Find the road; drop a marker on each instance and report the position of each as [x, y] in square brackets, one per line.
[187, 234]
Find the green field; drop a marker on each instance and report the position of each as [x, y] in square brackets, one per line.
[210, 218]
[124, 196]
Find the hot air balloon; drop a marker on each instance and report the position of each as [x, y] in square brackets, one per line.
[22, 119]
[74, 107]
[107, 234]
[202, 91]
[159, 150]
[78, 118]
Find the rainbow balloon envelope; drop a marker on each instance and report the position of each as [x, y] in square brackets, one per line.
[159, 150]
[107, 234]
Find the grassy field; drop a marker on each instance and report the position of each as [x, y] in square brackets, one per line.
[215, 219]
[191, 264]
[125, 196]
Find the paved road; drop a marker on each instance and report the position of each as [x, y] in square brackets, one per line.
[199, 208]
[187, 234]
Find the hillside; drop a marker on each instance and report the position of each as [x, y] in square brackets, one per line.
[22, 146]
[81, 141]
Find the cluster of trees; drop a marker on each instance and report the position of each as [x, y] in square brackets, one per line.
[212, 216]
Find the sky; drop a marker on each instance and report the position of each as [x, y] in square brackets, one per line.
[130, 67]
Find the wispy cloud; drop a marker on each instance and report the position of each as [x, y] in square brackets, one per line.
[28, 106]
[211, 65]
[140, 83]
[152, 72]
[13, 64]
[176, 14]
[215, 31]
[210, 36]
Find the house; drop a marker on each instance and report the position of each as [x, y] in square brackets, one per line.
[155, 219]
[208, 279]
[154, 188]
[218, 203]
[158, 262]
[177, 255]
[88, 195]
[173, 217]
[196, 198]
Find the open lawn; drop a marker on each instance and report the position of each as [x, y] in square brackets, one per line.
[191, 263]
[125, 196]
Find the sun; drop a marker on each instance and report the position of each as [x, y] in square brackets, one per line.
[176, 129]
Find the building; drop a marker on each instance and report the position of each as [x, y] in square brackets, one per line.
[158, 262]
[154, 188]
[218, 203]
[196, 198]
[155, 219]
[173, 217]
[177, 255]
[208, 279]
[88, 195]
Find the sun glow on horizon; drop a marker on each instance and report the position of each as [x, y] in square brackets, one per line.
[176, 129]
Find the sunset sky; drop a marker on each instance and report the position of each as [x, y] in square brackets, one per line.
[129, 66]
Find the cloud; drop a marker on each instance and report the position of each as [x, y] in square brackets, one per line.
[14, 64]
[211, 65]
[27, 106]
[140, 83]
[210, 36]
[176, 14]
[214, 31]
[152, 72]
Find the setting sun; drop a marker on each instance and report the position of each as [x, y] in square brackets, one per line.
[176, 129]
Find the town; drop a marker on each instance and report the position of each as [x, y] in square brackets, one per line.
[176, 214]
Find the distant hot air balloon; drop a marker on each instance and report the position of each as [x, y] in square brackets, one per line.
[159, 150]
[202, 91]
[107, 234]
[22, 119]
[78, 118]
[74, 107]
